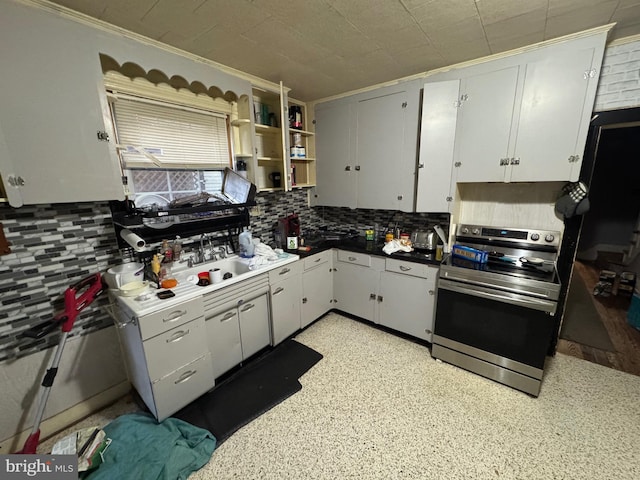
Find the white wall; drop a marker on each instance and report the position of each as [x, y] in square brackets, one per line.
[90, 364]
[619, 85]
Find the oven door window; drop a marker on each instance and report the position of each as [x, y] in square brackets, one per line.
[512, 331]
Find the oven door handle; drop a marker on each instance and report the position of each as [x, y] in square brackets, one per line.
[499, 296]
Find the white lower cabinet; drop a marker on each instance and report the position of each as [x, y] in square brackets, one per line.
[317, 287]
[356, 279]
[286, 296]
[167, 357]
[406, 298]
[237, 322]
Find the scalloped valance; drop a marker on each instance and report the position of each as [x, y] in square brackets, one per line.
[133, 70]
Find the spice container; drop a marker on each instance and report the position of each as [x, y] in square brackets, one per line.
[369, 233]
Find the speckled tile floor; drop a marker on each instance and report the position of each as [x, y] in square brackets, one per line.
[379, 407]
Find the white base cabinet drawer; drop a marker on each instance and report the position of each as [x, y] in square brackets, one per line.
[285, 272]
[354, 258]
[177, 346]
[410, 268]
[182, 386]
[156, 323]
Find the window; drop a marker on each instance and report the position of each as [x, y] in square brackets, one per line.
[173, 147]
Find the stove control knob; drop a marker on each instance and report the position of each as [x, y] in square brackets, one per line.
[465, 230]
[535, 237]
[549, 238]
[476, 231]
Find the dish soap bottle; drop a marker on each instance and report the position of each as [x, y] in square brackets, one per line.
[245, 242]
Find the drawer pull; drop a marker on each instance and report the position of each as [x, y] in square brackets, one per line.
[177, 336]
[175, 315]
[185, 376]
[228, 316]
[404, 269]
[317, 260]
[352, 259]
[247, 307]
[284, 271]
[278, 290]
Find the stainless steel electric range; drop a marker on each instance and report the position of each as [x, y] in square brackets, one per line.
[496, 319]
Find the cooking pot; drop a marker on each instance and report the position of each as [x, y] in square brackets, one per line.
[118, 276]
[424, 239]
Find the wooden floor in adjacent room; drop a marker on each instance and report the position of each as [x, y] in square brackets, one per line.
[613, 311]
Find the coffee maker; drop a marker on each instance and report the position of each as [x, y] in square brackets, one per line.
[288, 226]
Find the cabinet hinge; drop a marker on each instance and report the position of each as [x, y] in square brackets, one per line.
[589, 74]
[15, 181]
[421, 165]
[461, 100]
[457, 164]
[404, 104]
[103, 136]
[448, 199]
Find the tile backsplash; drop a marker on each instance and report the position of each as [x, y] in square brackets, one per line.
[54, 246]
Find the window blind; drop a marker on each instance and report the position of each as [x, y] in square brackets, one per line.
[153, 135]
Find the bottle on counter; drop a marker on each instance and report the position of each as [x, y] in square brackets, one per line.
[245, 242]
[177, 249]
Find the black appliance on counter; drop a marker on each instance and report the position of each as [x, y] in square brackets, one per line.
[496, 319]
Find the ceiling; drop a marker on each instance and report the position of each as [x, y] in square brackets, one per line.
[321, 48]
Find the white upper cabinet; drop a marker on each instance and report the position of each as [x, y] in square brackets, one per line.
[336, 185]
[366, 149]
[434, 191]
[523, 117]
[486, 104]
[555, 110]
[53, 109]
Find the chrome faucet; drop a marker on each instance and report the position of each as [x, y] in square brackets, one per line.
[222, 249]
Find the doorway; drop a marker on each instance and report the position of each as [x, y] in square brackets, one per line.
[601, 244]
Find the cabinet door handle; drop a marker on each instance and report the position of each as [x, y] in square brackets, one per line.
[177, 336]
[247, 307]
[357, 168]
[515, 161]
[347, 168]
[185, 376]
[352, 259]
[432, 292]
[380, 298]
[317, 260]
[175, 315]
[304, 300]
[284, 271]
[404, 269]
[228, 316]
[372, 296]
[278, 290]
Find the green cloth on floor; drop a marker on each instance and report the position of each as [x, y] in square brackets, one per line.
[142, 448]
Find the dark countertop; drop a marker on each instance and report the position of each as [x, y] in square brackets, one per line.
[360, 245]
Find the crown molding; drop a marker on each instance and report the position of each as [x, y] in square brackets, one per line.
[107, 27]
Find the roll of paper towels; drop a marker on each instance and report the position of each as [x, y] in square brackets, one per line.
[132, 239]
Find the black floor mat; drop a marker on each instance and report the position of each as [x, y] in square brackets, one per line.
[253, 390]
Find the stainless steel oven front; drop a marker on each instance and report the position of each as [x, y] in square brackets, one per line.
[497, 320]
